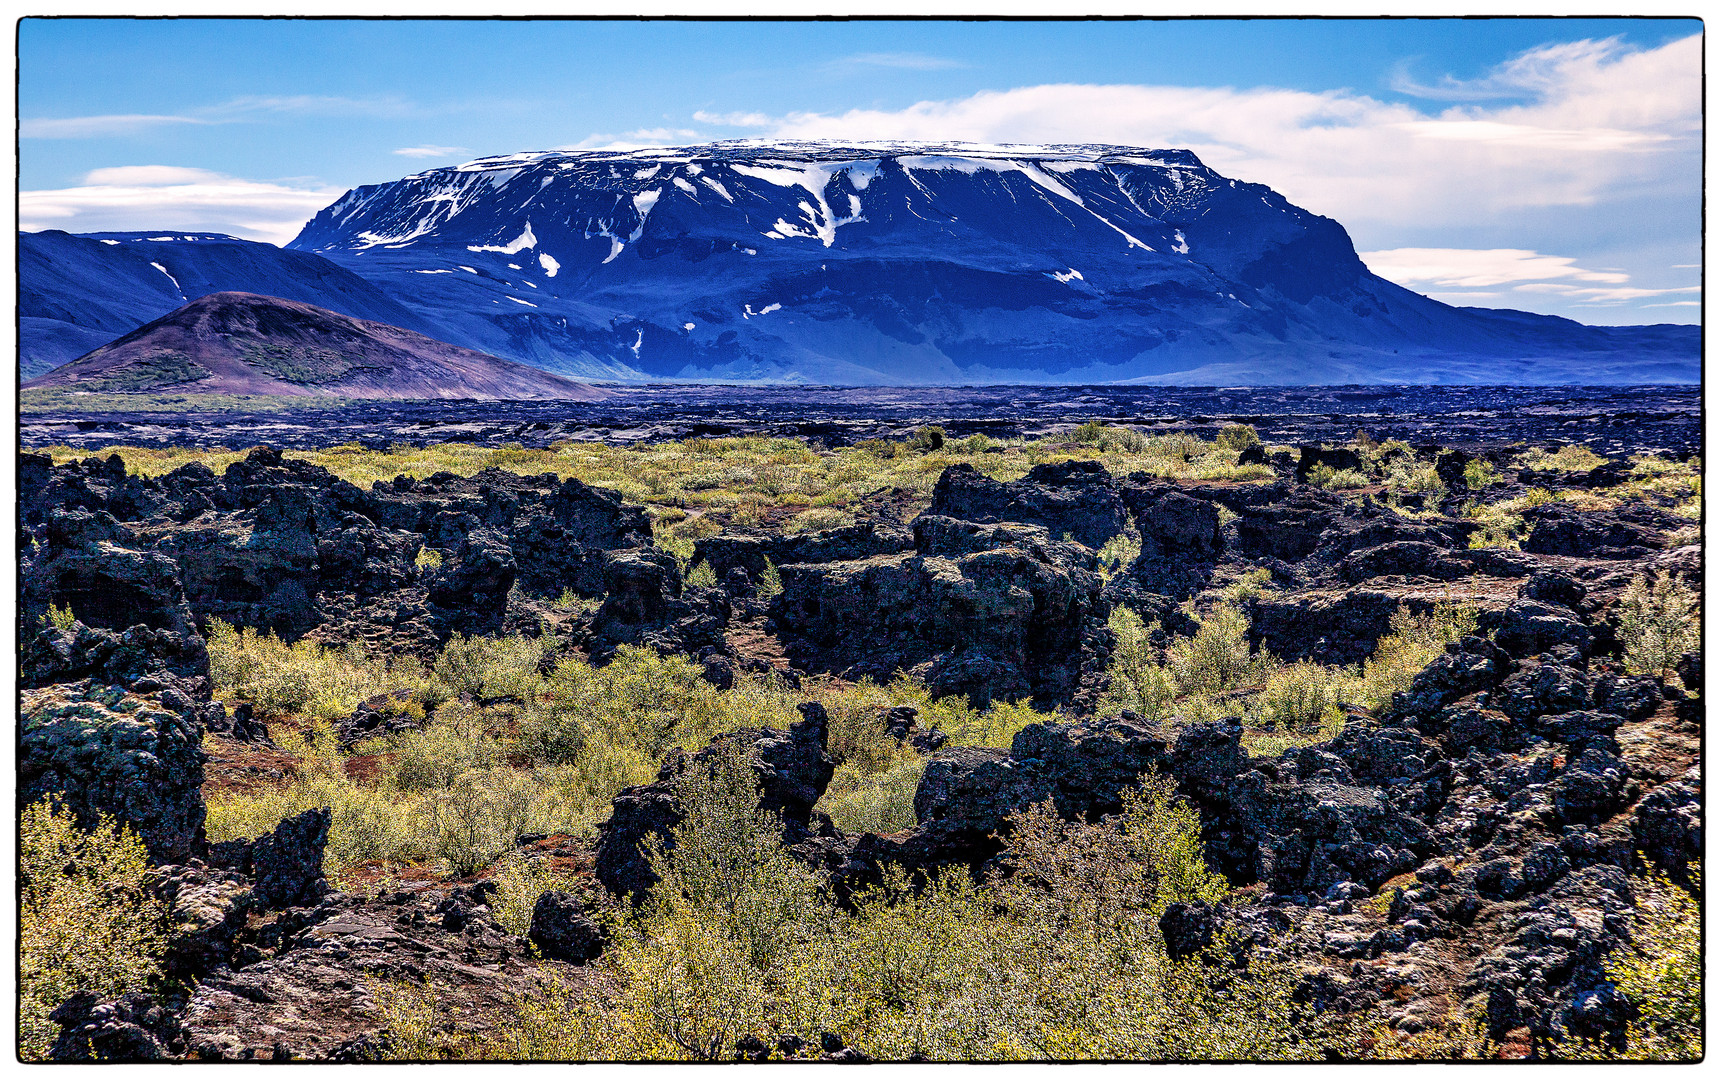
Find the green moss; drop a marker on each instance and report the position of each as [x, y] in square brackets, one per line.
[149, 372]
[305, 365]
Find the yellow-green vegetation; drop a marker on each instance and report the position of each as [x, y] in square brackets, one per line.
[1061, 960]
[1569, 458]
[1412, 643]
[428, 558]
[521, 741]
[85, 918]
[1659, 621]
[1661, 972]
[1118, 553]
[1337, 479]
[1214, 674]
[748, 480]
[1501, 524]
[60, 616]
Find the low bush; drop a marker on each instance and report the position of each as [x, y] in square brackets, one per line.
[1139, 682]
[1661, 973]
[1217, 658]
[1658, 622]
[876, 802]
[85, 918]
[1412, 643]
[1238, 437]
[1302, 697]
[1325, 476]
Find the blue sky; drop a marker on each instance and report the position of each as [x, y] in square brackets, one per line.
[1546, 164]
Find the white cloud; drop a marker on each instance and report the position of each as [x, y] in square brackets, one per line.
[905, 61]
[234, 111]
[635, 140]
[1468, 268]
[432, 151]
[1603, 121]
[170, 198]
[96, 127]
[734, 119]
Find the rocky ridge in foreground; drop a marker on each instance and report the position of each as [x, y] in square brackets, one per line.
[1475, 841]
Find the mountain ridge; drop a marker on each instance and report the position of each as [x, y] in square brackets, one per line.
[241, 343]
[926, 263]
[912, 264]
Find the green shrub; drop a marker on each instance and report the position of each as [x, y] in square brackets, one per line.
[1238, 437]
[476, 819]
[1248, 587]
[1300, 697]
[1119, 553]
[1217, 658]
[1570, 458]
[85, 918]
[519, 883]
[818, 519]
[304, 678]
[1325, 476]
[770, 582]
[726, 863]
[927, 439]
[1479, 474]
[1138, 681]
[1661, 972]
[1412, 643]
[433, 757]
[1658, 622]
[494, 669]
[60, 617]
[428, 558]
[876, 802]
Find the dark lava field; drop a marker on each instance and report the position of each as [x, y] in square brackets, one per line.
[1608, 420]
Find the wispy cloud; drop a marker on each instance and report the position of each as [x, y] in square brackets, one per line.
[904, 61]
[432, 151]
[169, 197]
[99, 127]
[234, 111]
[1528, 75]
[735, 119]
[1440, 271]
[1470, 268]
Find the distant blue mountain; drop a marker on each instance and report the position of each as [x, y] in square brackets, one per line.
[77, 293]
[923, 264]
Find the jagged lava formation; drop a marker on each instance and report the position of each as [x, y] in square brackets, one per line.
[928, 264]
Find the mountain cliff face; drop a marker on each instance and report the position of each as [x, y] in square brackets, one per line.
[927, 264]
[237, 343]
[76, 293]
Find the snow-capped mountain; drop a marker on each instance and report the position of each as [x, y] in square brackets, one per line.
[916, 263]
[920, 263]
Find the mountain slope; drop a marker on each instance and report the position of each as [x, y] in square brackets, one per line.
[76, 293]
[238, 343]
[927, 264]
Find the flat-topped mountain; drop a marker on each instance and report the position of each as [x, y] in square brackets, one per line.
[239, 343]
[928, 263]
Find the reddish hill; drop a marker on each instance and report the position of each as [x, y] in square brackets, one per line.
[240, 343]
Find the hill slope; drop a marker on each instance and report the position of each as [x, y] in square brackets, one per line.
[76, 293]
[911, 263]
[238, 343]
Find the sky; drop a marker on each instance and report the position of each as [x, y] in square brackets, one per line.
[1551, 165]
